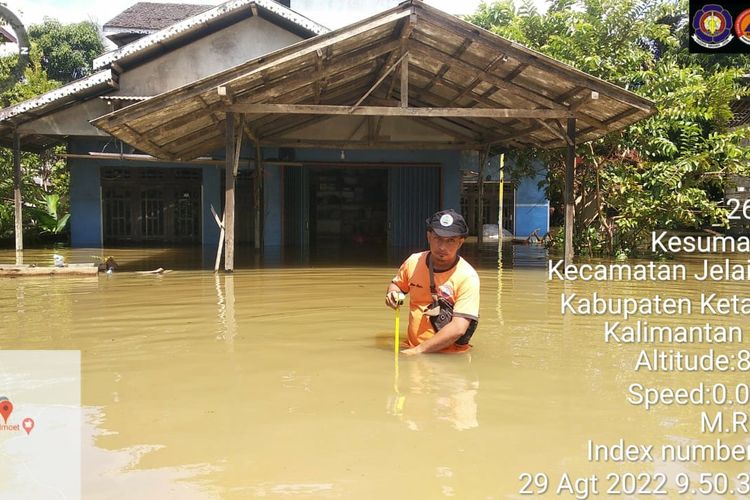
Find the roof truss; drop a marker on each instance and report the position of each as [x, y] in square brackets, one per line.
[380, 83]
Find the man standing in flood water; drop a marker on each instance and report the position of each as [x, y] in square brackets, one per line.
[443, 288]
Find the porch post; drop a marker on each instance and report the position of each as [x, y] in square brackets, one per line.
[229, 195]
[570, 211]
[258, 196]
[17, 196]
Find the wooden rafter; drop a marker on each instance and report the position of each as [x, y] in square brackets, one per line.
[343, 87]
[445, 67]
[311, 109]
[477, 80]
[469, 128]
[554, 131]
[608, 124]
[135, 136]
[301, 79]
[508, 78]
[176, 123]
[419, 48]
[293, 122]
[516, 134]
[389, 144]
[291, 126]
[434, 124]
[385, 74]
[431, 99]
[525, 55]
[566, 96]
[588, 97]
[403, 31]
[187, 143]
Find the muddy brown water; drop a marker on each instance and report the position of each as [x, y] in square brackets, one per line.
[278, 381]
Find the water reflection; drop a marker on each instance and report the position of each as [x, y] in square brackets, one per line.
[225, 303]
[442, 387]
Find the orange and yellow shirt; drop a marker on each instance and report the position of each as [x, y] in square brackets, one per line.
[459, 285]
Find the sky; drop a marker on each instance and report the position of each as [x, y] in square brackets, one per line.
[68, 11]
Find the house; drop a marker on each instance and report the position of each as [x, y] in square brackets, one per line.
[302, 136]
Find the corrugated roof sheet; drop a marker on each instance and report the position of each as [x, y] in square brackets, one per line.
[100, 79]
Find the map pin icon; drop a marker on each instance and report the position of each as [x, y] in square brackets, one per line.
[28, 424]
[6, 408]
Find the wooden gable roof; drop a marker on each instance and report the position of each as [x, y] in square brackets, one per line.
[367, 85]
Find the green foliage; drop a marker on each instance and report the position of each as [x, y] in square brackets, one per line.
[47, 215]
[42, 176]
[67, 49]
[35, 79]
[667, 171]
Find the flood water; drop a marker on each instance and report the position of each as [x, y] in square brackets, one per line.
[280, 381]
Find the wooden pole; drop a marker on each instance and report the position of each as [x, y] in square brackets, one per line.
[18, 201]
[570, 210]
[258, 195]
[405, 81]
[480, 199]
[229, 195]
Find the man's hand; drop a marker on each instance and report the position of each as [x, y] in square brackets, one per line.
[394, 298]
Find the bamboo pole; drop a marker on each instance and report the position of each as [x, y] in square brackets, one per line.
[17, 199]
[480, 200]
[500, 194]
[220, 223]
[258, 195]
[570, 211]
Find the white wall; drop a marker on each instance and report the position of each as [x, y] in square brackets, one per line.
[224, 49]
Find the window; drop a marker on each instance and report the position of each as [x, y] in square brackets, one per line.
[117, 215]
[152, 213]
[186, 214]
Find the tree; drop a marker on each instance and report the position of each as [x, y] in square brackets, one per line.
[666, 171]
[67, 49]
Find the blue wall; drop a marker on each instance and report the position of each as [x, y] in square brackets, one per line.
[531, 204]
[532, 207]
[85, 205]
[85, 192]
